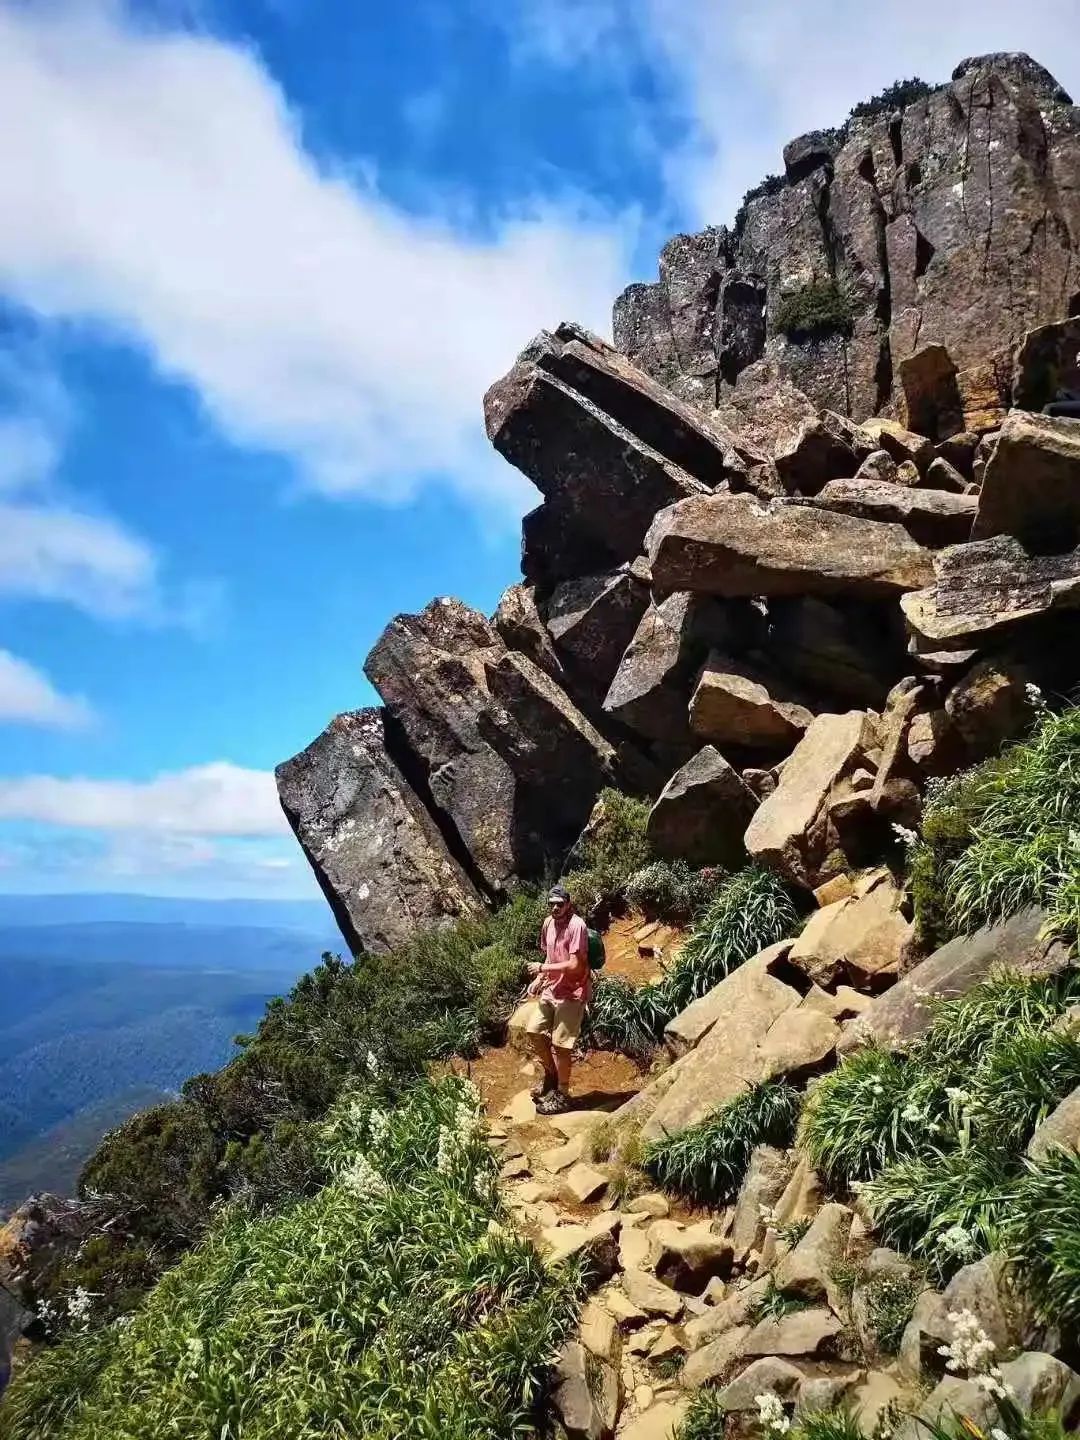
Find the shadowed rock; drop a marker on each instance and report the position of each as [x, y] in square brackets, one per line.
[702, 813]
[932, 517]
[1031, 485]
[736, 703]
[509, 761]
[378, 856]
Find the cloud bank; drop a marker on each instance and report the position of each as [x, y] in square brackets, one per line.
[29, 697]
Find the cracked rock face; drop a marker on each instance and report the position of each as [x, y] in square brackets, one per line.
[510, 762]
[955, 222]
[378, 856]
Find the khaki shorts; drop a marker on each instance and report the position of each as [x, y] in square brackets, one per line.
[561, 1019]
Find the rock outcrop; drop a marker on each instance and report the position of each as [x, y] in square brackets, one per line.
[952, 221]
[804, 512]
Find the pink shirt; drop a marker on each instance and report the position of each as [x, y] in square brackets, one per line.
[560, 944]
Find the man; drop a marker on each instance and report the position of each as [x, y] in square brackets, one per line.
[561, 987]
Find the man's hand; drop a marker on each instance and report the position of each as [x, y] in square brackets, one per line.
[533, 968]
[535, 987]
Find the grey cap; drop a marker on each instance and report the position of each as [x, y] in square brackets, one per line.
[558, 892]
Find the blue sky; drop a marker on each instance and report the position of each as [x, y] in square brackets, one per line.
[258, 261]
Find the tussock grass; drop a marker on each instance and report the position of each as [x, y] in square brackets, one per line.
[750, 910]
[707, 1162]
[1003, 836]
[393, 1303]
[1043, 1231]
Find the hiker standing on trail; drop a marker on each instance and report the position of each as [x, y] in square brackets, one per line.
[562, 987]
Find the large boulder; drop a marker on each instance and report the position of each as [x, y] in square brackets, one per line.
[650, 689]
[794, 830]
[521, 625]
[702, 813]
[863, 939]
[984, 590]
[823, 449]
[510, 762]
[687, 1029]
[377, 854]
[738, 703]
[736, 545]
[932, 517]
[1031, 485]
[1047, 362]
[906, 1011]
[932, 401]
[592, 621]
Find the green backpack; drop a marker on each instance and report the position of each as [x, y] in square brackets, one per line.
[596, 950]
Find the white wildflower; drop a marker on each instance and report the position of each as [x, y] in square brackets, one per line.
[768, 1215]
[79, 1304]
[378, 1124]
[970, 1348]
[361, 1179]
[958, 1241]
[1034, 696]
[912, 1113]
[372, 1064]
[877, 1088]
[994, 1383]
[996, 1434]
[907, 837]
[956, 1095]
[771, 1413]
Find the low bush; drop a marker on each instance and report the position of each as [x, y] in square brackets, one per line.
[889, 1297]
[819, 308]
[670, 890]
[392, 1303]
[613, 847]
[707, 1162]
[896, 96]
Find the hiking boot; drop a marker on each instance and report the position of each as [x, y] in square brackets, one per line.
[555, 1102]
[545, 1087]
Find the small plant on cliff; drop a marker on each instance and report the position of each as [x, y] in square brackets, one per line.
[819, 308]
[707, 1162]
[670, 890]
[613, 847]
[896, 96]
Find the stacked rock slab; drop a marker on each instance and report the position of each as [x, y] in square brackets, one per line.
[952, 221]
[507, 758]
[380, 859]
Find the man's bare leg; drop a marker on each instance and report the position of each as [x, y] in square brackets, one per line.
[542, 1049]
[564, 1056]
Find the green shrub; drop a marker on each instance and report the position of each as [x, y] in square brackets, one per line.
[386, 1305]
[670, 890]
[707, 1162]
[774, 1304]
[837, 1424]
[890, 1298]
[896, 96]
[1043, 1233]
[999, 838]
[622, 1017]
[820, 307]
[612, 848]
[751, 910]
[853, 1125]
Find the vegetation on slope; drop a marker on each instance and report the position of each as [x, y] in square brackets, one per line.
[748, 911]
[394, 1303]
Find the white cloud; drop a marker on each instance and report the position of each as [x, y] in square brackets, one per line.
[158, 185]
[52, 547]
[214, 799]
[28, 697]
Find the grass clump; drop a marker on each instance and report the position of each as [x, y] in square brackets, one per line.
[999, 838]
[818, 308]
[1043, 1231]
[774, 1304]
[704, 1418]
[707, 1162]
[392, 1303]
[935, 1138]
[750, 910]
[889, 1298]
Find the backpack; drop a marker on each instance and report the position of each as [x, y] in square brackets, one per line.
[596, 950]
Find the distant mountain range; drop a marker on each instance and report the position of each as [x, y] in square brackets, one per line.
[109, 1002]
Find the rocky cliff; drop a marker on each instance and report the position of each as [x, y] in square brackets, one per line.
[805, 537]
